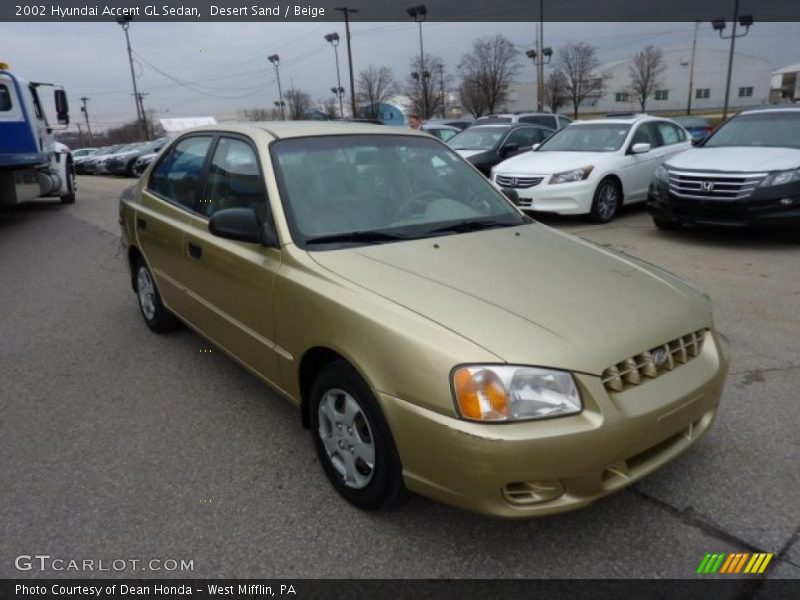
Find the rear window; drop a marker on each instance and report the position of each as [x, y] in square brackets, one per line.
[545, 120]
[492, 120]
[5, 98]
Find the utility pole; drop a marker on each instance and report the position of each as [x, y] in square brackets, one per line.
[691, 68]
[419, 14]
[140, 98]
[444, 98]
[276, 62]
[719, 25]
[347, 12]
[80, 134]
[125, 23]
[540, 73]
[85, 111]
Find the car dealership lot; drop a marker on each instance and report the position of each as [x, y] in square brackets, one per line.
[122, 444]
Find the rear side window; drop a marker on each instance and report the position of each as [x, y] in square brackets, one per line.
[670, 134]
[178, 174]
[563, 121]
[5, 98]
[544, 120]
[234, 179]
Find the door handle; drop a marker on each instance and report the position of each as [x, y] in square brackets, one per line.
[141, 223]
[195, 250]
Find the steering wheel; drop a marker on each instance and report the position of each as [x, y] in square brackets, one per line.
[417, 198]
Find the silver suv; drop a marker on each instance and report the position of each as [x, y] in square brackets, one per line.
[550, 120]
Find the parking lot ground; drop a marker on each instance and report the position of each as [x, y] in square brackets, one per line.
[118, 443]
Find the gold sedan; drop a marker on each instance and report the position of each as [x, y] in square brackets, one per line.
[434, 338]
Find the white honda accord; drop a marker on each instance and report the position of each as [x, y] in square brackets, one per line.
[593, 167]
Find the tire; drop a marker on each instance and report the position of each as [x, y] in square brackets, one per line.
[337, 391]
[666, 224]
[606, 202]
[154, 313]
[129, 172]
[69, 197]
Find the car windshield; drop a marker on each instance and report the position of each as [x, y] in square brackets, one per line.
[361, 189]
[587, 137]
[776, 129]
[478, 138]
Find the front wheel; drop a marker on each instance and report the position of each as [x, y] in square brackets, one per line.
[606, 202]
[155, 314]
[352, 439]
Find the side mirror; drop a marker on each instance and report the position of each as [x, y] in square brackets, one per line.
[640, 148]
[698, 141]
[62, 106]
[512, 195]
[241, 224]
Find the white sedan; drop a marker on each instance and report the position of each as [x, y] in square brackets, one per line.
[592, 167]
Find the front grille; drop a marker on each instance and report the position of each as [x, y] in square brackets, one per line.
[638, 369]
[517, 182]
[721, 186]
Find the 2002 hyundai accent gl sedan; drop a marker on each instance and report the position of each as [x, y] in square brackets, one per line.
[434, 338]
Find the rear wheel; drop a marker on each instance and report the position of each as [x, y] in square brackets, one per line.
[155, 314]
[353, 440]
[69, 197]
[607, 201]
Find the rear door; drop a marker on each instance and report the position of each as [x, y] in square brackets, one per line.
[230, 282]
[164, 212]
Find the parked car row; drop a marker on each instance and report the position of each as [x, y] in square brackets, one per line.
[120, 159]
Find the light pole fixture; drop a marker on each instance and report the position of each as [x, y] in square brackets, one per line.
[419, 14]
[276, 62]
[125, 23]
[539, 60]
[333, 40]
[719, 26]
[347, 12]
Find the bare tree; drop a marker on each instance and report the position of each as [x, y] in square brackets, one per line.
[555, 91]
[472, 97]
[257, 114]
[375, 86]
[299, 104]
[489, 68]
[579, 65]
[329, 107]
[425, 98]
[646, 72]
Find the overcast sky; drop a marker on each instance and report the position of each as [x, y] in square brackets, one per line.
[224, 66]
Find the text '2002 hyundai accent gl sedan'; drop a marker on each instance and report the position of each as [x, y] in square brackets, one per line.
[434, 338]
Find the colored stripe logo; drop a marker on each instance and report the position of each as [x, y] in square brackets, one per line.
[736, 563]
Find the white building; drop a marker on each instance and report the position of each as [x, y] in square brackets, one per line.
[750, 84]
[785, 84]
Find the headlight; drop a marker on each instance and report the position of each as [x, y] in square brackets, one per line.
[571, 175]
[661, 174]
[506, 393]
[781, 178]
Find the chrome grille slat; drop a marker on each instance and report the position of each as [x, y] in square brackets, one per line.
[725, 186]
[517, 182]
[636, 370]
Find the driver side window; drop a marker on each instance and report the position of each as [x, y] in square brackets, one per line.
[177, 175]
[646, 134]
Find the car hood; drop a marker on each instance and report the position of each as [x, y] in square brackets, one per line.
[530, 294]
[468, 153]
[543, 163]
[736, 158]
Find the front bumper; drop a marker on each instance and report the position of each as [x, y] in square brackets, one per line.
[573, 198]
[777, 207]
[535, 468]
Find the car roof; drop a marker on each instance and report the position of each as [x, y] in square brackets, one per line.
[296, 129]
[506, 126]
[768, 109]
[622, 119]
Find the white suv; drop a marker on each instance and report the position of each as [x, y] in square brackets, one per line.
[593, 167]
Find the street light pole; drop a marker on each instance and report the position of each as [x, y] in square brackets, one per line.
[719, 25]
[125, 23]
[540, 67]
[419, 14]
[347, 12]
[539, 60]
[276, 62]
[691, 68]
[333, 39]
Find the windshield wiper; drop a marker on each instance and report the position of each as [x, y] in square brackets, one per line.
[467, 226]
[369, 237]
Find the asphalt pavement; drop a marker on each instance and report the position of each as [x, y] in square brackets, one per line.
[121, 444]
